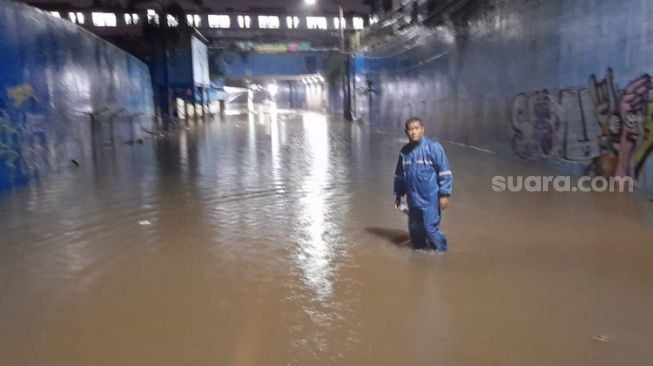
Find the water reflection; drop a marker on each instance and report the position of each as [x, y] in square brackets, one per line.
[314, 253]
[273, 127]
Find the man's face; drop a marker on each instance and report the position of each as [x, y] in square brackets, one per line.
[414, 131]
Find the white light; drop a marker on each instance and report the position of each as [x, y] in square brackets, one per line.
[268, 22]
[131, 19]
[310, 2]
[336, 23]
[292, 22]
[358, 23]
[55, 14]
[101, 19]
[244, 21]
[190, 20]
[219, 21]
[152, 16]
[172, 21]
[316, 22]
[272, 88]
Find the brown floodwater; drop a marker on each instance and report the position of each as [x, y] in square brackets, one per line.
[273, 240]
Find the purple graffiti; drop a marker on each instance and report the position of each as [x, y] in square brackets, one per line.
[632, 110]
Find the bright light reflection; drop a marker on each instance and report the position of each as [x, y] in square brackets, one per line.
[250, 101]
[316, 254]
[274, 146]
[273, 89]
[183, 150]
[251, 140]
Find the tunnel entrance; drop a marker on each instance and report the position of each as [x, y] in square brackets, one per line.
[282, 92]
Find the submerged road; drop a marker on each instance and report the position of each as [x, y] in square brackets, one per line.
[273, 240]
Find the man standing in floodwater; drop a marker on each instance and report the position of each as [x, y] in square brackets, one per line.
[423, 176]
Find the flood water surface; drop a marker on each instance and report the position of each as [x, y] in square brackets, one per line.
[273, 240]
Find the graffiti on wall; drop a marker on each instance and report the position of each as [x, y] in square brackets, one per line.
[20, 94]
[24, 149]
[10, 135]
[610, 129]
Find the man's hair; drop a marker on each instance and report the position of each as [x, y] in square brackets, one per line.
[414, 119]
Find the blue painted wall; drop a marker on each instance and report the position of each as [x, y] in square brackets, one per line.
[233, 64]
[555, 81]
[53, 74]
[291, 95]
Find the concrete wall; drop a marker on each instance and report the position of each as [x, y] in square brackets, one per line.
[53, 75]
[200, 62]
[556, 81]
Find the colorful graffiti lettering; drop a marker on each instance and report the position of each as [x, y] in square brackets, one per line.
[612, 131]
[604, 100]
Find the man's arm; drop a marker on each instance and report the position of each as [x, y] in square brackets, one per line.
[445, 178]
[400, 183]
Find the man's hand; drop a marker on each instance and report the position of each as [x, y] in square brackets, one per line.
[444, 203]
[397, 201]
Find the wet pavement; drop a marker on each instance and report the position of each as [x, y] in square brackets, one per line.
[273, 240]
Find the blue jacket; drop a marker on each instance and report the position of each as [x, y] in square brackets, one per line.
[423, 174]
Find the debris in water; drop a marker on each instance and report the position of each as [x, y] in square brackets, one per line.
[601, 338]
